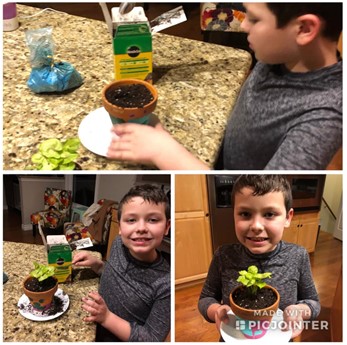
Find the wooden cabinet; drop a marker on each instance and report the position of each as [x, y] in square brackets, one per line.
[193, 248]
[303, 230]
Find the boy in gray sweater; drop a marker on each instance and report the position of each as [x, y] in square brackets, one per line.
[288, 115]
[133, 302]
[262, 209]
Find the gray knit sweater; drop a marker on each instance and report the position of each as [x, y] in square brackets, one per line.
[288, 263]
[285, 121]
[137, 292]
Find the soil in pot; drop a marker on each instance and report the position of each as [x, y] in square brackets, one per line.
[129, 96]
[32, 284]
[263, 299]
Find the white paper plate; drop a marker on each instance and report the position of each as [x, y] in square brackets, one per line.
[26, 309]
[230, 334]
[95, 131]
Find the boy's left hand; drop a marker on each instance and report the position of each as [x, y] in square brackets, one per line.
[96, 307]
[293, 320]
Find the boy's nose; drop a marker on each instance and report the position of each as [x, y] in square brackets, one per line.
[256, 225]
[141, 227]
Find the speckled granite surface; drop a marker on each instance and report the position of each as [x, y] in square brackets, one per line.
[69, 327]
[197, 84]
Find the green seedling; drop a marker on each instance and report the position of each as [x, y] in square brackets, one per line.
[253, 280]
[56, 155]
[42, 272]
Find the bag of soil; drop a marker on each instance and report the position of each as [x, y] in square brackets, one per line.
[47, 75]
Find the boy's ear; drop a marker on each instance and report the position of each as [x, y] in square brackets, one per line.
[168, 225]
[289, 218]
[309, 27]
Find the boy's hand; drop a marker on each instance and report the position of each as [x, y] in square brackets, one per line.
[138, 143]
[85, 258]
[293, 319]
[96, 307]
[221, 315]
[152, 146]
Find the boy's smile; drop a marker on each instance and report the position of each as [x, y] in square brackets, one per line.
[142, 227]
[260, 220]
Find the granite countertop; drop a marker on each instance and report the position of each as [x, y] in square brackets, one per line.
[69, 327]
[197, 84]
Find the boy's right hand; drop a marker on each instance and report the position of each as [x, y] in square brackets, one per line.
[84, 258]
[221, 315]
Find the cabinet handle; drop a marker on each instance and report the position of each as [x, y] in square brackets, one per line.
[207, 214]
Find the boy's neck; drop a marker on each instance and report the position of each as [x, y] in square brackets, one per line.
[314, 57]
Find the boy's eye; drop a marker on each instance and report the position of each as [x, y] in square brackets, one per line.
[252, 20]
[153, 220]
[130, 220]
[269, 215]
[244, 214]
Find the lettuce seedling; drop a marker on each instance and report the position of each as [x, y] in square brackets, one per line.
[56, 155]
[42, 272]
[252, 279]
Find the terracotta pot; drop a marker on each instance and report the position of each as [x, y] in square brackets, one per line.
[254, 323]
[127, 114]
[40, 300]
[265, 314]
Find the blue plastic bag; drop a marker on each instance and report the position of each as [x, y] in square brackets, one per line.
[47, 75]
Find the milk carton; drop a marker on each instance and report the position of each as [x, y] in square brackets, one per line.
[60, 256]
[132, 45]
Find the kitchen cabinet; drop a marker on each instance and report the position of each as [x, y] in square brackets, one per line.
[192, 229]
[303, 230]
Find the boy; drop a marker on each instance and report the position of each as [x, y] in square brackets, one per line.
[262, 209]
[133, 303]
[288, 115]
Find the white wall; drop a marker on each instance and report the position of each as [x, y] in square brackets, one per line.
[332, 195]
[32, 189]
[113, 187]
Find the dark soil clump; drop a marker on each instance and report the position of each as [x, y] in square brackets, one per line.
[56, 307]
[130, 96]
[263, 299]
[34, 285]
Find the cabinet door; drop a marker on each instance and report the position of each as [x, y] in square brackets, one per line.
[193, 249]
[308, 230]
[190, 193]
[291, 234]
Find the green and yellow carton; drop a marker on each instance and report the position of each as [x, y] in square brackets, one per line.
[132, 45]
[60, 256]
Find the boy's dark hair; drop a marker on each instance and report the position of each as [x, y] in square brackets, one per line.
[331, 13]
[149, 193]
[263, 184]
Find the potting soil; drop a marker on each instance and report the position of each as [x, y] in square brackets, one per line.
[263, 299]
[129, 96]
[34, 285]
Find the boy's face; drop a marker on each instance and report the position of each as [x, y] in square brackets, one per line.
[142, 227]
[260, 220]
[270, 44]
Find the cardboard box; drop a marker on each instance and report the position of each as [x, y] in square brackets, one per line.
[60, 256]
[132, 45]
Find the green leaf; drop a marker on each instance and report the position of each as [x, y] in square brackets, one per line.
[37, 158]
[71, 145]
[253, 269]
[252, 279]
[69, 166]
[55, 155]
[51, 144]
[42, 272]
